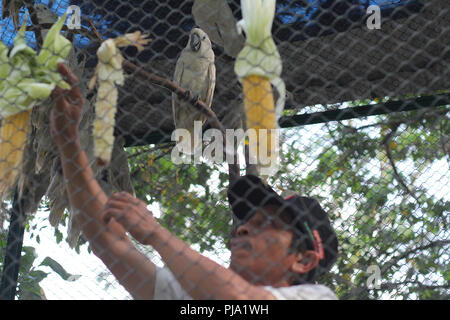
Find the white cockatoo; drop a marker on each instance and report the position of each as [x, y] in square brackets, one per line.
[195, 71]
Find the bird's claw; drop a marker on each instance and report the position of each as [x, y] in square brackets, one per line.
[186, 95]
[190, 97]
[195, 99]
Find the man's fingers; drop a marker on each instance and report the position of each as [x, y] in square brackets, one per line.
[67, 75]
[74, 94]
[61, 104]
[117, 204]
[119, 197]
[117, 228]
[57, 93]
[125, 197]
[111, 213]
[124, 194]
[131, 198]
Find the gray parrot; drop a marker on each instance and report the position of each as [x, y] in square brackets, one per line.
[195, 71]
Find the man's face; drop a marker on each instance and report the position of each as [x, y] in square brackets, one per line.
[260, 248]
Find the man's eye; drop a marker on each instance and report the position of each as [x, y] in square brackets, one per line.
[276, 224]
[259, 223]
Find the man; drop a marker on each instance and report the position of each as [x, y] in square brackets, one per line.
[277, 244]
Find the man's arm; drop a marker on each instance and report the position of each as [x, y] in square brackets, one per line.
[201, 277]
[108, 241]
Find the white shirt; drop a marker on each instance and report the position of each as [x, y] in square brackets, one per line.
[167, 287]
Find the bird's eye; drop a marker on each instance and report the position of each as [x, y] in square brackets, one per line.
[204, 38]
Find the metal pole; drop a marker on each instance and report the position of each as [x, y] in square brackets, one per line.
[365, 111]
[8, 285]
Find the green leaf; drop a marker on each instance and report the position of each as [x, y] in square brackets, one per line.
[55, 46]
[27, 259]
[20, 44]
[58, 235]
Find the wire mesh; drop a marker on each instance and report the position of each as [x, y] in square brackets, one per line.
[356, 200]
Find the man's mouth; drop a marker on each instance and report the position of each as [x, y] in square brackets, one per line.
[240, 244]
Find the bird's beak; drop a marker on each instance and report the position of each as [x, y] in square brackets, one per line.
[196, 42]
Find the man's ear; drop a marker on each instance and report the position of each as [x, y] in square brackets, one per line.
[305, 262]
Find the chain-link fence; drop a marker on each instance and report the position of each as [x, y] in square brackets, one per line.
[351, 192]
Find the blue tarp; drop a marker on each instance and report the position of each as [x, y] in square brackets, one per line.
[169, 21]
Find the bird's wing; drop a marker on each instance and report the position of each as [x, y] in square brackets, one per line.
[177, 78]
[211, 81]
[179, 70]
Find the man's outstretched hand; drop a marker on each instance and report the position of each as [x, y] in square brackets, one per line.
[66, 114]
[132, 214]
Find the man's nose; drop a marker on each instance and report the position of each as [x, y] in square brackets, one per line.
[243, 230]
